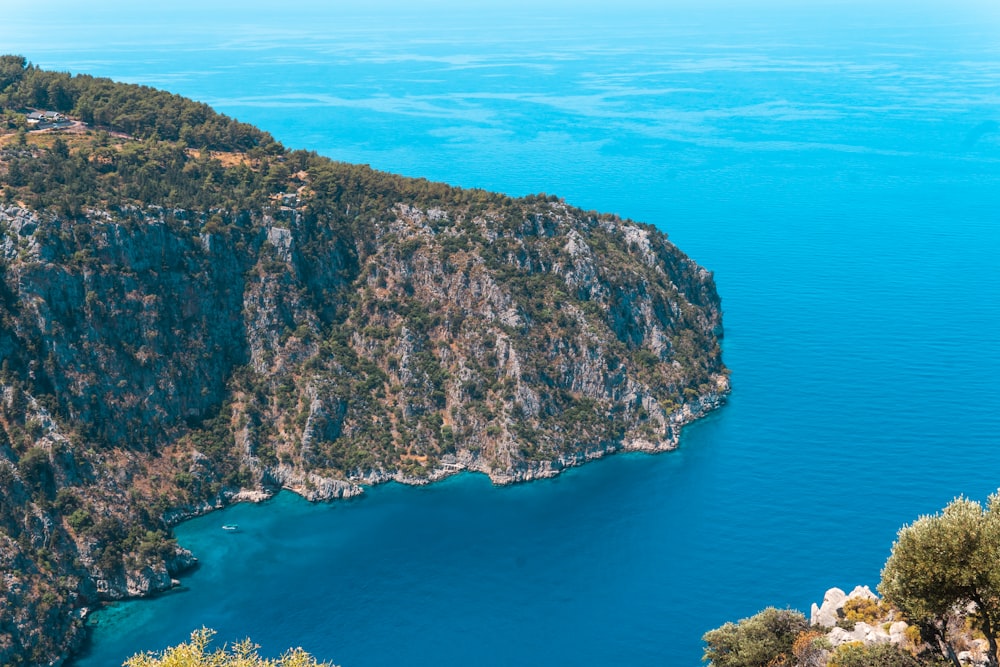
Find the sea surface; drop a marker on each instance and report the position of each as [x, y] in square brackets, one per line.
[837, 167]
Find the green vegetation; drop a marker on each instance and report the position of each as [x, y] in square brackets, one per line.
[140, 111]
[196, 653]
[810, 649]
[942, 564]
[875, 655]
[942, 577]
[863, 610]
[763, 640]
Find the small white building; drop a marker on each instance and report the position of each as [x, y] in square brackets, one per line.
[45, 117]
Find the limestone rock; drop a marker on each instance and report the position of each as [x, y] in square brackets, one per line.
[862, 592]
[829, 612]
[897, 632]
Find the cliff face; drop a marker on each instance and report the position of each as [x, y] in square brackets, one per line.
[348, 328]
[432, 341]
[148, 367]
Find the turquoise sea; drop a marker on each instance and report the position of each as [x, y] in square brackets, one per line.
[837, 166]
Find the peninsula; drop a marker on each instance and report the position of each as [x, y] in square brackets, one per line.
[192, 314]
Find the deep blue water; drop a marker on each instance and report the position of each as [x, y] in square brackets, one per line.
[839, 171]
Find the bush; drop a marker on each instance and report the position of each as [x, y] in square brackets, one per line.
[763, 639]
[243, 654]
[66, 501]
[80, 519]
[810, 649]
[862, 609]
[874, 655]
[36, 470]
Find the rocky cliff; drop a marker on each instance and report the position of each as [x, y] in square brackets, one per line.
[183, 324]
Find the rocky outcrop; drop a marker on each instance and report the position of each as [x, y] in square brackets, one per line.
[861, 617]
[831, 612]
[858, 616]
[343, 328]
[312, 486]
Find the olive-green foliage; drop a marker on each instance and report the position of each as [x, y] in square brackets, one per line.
[140, 111]
[941, 564]
[872, 655]
[134, 174]
[762, 640]
[172, 163]
[196, 653]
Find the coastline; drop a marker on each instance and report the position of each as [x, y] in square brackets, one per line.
[328, 490]
[317, 488]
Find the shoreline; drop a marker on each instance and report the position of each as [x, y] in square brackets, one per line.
[322, 489]
[317, 488]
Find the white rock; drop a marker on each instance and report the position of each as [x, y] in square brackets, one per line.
[826, 615]
[873, 634]
[839, 636]
[897, 632]
[834, 597]
[862, 592]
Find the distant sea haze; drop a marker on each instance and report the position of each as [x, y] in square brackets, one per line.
[838, 171]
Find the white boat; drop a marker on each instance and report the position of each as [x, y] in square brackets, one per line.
[231, 527]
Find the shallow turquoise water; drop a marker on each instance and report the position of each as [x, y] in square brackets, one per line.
[840, 174]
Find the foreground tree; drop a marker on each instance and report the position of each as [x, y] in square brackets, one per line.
[243, 654]
[946, 565]
[763, 640]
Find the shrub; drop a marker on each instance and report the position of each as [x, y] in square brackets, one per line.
[862, 609]
[913, 634]
[242, 654]
[763, 639]
[874, 655]
[35, 469]
[810, 649]
[80, 519]
[66, 501]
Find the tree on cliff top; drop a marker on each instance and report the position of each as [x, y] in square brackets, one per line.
[243, 654]
[943, 565]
